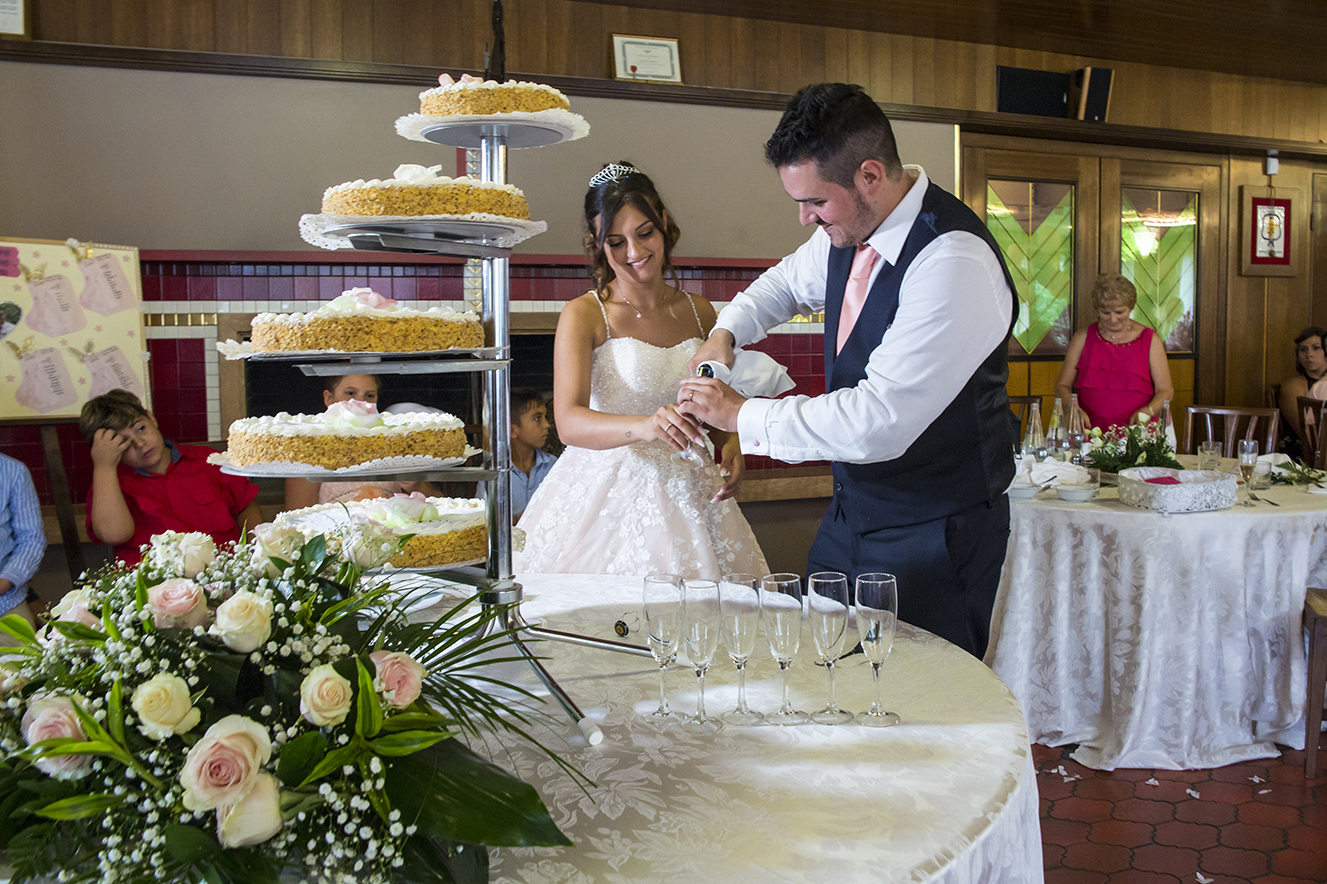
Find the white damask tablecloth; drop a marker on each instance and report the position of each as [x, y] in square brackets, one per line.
[948, 795]
[1160, 641]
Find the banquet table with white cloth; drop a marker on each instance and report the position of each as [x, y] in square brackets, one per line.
[1160, 641]
[947, 795]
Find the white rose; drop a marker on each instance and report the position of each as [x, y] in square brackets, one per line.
[275, 542]
[254, 818]
[324, 696]
[164, 707]
[368, 544]
[243, 621]
[196, 552]
[225, 764]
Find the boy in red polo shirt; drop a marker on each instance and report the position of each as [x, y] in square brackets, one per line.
[144, 484]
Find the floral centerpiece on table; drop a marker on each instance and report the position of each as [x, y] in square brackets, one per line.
[1137, 445]
[239, 716]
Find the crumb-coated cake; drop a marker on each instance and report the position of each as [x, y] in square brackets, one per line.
[473, 96]
[420, 190]
[442, 530]
[361, 320]
[346, 435]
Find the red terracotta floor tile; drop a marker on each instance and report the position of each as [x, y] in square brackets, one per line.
[1300, 863]
[1121, 832]
[1182, 834]
[1076, 876]
[1305, 838]
[1097, 857]
[1134, 876]
[1140, 811]
[1207, 812]
[1063, 832]
[1274, 815]
[1232, 861]
[1081, 809]
[1180, 861]
[1264, 838]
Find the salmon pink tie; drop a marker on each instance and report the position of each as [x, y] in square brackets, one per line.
[854, 295]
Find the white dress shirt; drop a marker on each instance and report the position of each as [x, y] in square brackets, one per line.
[954, 309]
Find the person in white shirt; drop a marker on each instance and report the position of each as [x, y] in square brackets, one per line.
[915, 417]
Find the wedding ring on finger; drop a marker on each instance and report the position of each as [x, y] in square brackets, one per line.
[691, 394]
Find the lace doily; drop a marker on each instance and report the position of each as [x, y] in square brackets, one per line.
[312, 228]
[570, 126]
[274, 469]
[232, 349]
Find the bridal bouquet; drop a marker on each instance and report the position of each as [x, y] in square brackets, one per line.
[251, 715]
[1137, 445]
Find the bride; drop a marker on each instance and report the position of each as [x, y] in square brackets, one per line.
[616, 502]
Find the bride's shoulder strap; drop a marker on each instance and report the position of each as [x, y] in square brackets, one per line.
[691, 299]
[600, 301]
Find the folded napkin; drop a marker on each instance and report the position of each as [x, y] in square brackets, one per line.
[753, 374]
[1054, 472]
[1163, 480]
[1276, 459]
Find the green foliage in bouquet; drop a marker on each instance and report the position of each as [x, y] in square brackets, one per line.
[1296, 472]
[238, 716]
[1137, 445]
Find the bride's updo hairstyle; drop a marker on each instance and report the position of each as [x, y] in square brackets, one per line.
[614, 186]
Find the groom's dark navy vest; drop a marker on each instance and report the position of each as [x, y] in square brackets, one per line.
[965, 456]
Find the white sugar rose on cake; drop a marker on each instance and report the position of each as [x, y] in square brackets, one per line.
[362, 320]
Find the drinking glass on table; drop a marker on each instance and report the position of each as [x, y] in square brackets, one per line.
[877, 615]
[781, 614]
[827, 599]
[700, 636]
[662, 610]
[1209, 454]
[739, 603]
[1248, 460]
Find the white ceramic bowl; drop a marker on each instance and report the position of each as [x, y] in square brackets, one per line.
[1023, 491]
[1076, 493]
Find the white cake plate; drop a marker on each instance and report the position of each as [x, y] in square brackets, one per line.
[517, 129]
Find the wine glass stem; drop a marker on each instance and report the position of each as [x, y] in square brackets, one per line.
[829, 669]
[741, 687]
[876, 708]
[700, 695]
[663, 693]
[787, 698]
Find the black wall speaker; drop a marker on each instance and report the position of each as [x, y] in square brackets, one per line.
[1026, 91]
[1092, 87]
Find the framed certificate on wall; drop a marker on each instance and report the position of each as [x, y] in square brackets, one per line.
[15, 20]
[648, 59]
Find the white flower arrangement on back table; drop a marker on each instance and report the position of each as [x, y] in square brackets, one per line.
[236, 715]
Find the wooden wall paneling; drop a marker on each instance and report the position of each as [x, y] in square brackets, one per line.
[857, 64]
[420, 26]
[1227, 105]
[813, 56]
[788, 53]
[61, 20]
[163, 24]
[1318, 255]
[923, 71]
[836, 56]
[356, 30]
[1108, 220]
[743, 48]
[768, 61]
[476, 31]
[561, 36]
[388, 31]
[128, 20]
[900, 69]
[718, 52]
[691, 48]
[1245, 311]
[296, 28]
[879, 62]
[325, 29]
[264, 27]
[527, 35]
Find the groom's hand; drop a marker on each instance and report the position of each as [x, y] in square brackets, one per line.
[711, 402]
[718, 347]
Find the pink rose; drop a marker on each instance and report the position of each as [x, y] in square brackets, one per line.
[50, 717]
[223, 766]
[73, 607]
[178, 602]
[371, 299]
[254, 818]
[400, 674]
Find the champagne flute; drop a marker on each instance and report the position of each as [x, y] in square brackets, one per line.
[827, 599]
[781, 612]
[662, 610]
[877, 615]
[689, 456]
[1248, 461]
[739, 603]
[700, 634]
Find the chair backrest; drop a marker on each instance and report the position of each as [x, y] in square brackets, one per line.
[1272, 396]
[1310, 429]
[1228, 424]
[1021, 406]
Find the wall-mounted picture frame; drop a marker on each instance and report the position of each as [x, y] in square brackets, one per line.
[1271, 231]
[646, 59]
[15, 20]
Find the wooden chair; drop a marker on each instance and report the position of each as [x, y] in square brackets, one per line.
[1310, 430]
[1021, 406]
[1272, 396]
[1315, 619]
[1203, 422]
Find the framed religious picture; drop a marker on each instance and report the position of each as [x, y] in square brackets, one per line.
[1271, 231]
[15, 20]
[647, 59]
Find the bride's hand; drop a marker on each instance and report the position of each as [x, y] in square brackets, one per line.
[672, 426]
[732, 463]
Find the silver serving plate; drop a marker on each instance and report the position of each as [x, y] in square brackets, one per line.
[467, 239]
[471, 133]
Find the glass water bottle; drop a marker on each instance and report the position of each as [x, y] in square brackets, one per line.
[1055, 441]
[1075, 433]
[1034, 441]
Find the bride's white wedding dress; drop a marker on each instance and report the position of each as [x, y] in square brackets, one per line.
[631, 509]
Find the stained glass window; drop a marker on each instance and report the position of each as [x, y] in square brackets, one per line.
[1033, 222]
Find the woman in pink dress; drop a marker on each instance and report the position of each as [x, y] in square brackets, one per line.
[1117, 366]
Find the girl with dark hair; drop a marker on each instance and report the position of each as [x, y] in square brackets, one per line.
[1310, 367]
[616, 502]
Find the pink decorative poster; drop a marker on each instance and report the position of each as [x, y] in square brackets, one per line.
[70, 327]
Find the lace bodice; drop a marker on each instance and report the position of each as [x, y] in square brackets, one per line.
[628, 376]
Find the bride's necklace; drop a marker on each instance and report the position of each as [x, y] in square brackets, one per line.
[637, 309]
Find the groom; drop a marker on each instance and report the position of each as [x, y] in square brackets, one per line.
[915, 418]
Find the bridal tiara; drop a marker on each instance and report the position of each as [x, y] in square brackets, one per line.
[613, 172]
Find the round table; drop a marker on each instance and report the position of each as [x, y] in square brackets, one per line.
[1160, 641]
[948, 795]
